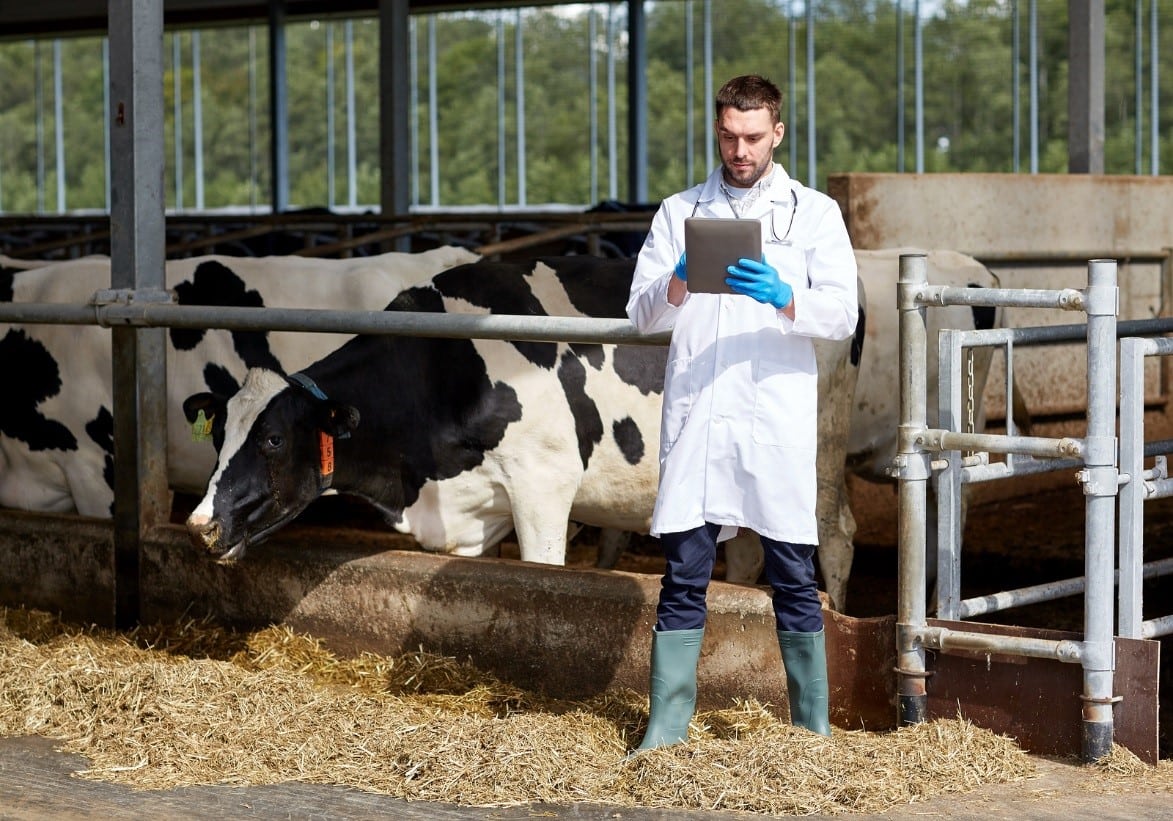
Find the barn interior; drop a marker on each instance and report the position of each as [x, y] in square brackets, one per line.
[369, 590]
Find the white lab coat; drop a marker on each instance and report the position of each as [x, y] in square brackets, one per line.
[739, 421]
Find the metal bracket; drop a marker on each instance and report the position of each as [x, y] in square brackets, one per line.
[1099, 481]
[131, 296]
[912, 466]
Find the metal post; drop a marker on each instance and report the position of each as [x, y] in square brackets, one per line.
[278, 109]
[137, 245]
[811, 120]
[1132, 494]
[918, 49]
[395, 120]
[434, 116]
[689, 97]
[1085, 86]
[948, 481]
[637, 95]
[59, 126]
[518, 110]
[913, 462]
[1100, 485]
[197, 120]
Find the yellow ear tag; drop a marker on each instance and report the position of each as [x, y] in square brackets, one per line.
[201, 428]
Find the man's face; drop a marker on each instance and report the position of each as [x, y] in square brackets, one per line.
[747, 140]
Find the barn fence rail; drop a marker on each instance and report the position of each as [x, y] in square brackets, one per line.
[136, 311]
[115, 309]
[928, 454]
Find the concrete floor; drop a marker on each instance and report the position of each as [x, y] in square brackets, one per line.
[36, 785]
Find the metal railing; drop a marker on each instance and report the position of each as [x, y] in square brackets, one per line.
[1137, 487]
[1095, 453]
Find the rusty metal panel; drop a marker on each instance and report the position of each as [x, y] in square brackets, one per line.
[861, 664]
[1033, 231]
[985, 214]
[1037, 701]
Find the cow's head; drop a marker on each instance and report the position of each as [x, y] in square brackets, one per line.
[275, 455]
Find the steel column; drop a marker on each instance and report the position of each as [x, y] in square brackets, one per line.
[1085, 86]
[1100, 480]
[395, 50]
[137, 243]
[637, 96]
[914, 468]
[278, 109]
[1132, 493]
[948, 480]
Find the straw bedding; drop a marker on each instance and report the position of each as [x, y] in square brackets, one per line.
[191, 704]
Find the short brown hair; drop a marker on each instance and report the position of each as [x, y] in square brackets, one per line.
[750, 91]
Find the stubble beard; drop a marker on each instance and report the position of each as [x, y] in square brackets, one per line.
[758, 173]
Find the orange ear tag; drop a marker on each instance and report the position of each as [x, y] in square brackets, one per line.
[326, 447]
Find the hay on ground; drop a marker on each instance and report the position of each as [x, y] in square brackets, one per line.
[193, 704]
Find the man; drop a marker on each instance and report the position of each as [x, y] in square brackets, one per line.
[739, 430]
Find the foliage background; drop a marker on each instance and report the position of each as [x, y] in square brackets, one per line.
[969, 102]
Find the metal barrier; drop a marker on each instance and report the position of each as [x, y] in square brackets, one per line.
[974, 469]
[1138, 486]
[1095, 452]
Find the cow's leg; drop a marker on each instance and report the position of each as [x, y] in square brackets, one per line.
[838, 373]
[836, 541]
[541, 515]
[612, 543]
[743, 558]
[86, 478]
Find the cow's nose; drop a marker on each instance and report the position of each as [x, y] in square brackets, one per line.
[203, 531]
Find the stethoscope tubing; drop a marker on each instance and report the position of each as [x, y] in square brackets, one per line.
[777, 240]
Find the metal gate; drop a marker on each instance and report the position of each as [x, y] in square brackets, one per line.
[1096, 651]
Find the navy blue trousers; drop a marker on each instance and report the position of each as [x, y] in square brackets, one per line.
[689, 557]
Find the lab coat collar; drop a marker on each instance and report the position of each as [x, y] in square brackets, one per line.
[781, 184]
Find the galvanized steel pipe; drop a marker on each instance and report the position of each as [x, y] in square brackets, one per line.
[943, 638]
[913, 465]
[934, 439]
[1100, 490]
[1067, 299]
[405, 323]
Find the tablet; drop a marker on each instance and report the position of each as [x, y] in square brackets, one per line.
[712, 245]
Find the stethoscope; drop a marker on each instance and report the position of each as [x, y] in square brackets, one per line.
[785, 238]
[777, 240]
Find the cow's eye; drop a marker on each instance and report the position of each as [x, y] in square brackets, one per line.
[275, 441]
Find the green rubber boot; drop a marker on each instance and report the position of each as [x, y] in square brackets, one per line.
[672, 698]
[804, 655]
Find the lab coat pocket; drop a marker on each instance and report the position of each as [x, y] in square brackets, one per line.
[678, 397]
[785, 406]
[790, 261]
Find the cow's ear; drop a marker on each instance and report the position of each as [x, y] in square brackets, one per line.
[337, 418]
[210, 404]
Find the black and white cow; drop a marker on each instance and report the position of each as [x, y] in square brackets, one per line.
[9, 265]
[56, 422]
[459, 441]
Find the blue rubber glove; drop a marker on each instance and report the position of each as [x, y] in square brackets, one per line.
[761, 281]
[682, 268]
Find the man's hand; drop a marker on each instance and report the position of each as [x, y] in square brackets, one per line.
[682, 268]
[761, 281]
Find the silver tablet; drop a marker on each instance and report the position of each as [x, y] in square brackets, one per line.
[712, 245]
